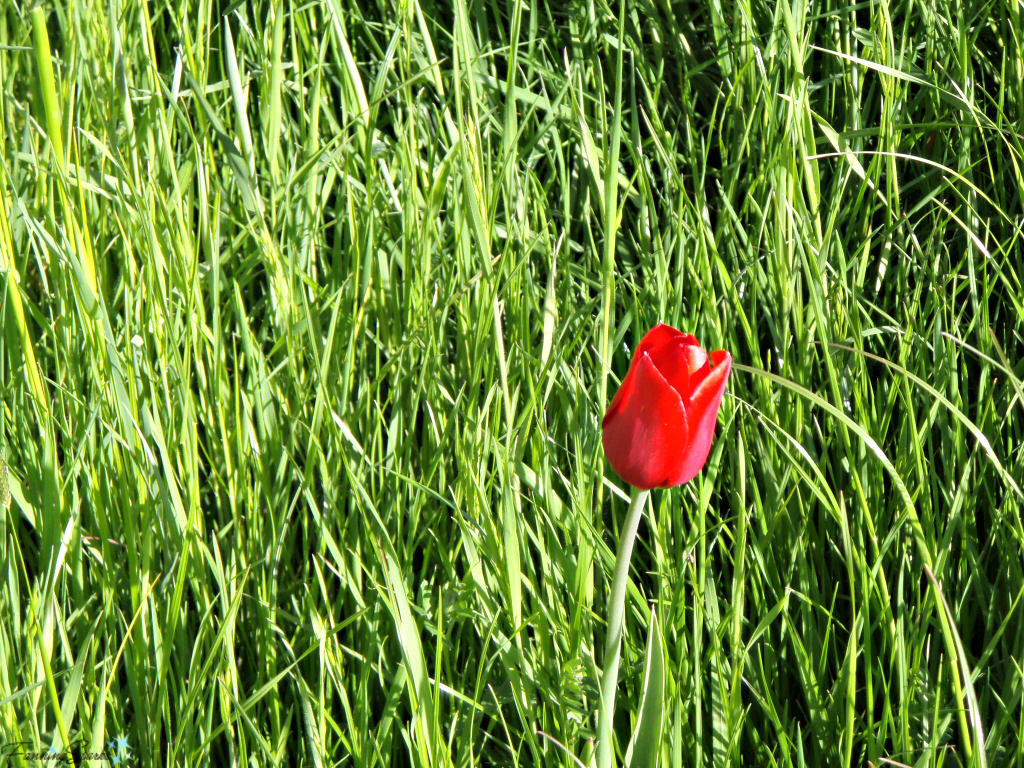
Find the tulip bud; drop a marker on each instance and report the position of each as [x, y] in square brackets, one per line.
[658, 429]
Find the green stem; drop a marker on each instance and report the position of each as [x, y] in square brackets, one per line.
[616, 619]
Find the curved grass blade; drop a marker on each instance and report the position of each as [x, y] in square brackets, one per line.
[5, 487]
[646, 743]
[915, 524]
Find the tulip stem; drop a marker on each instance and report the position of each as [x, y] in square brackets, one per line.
[616, 619]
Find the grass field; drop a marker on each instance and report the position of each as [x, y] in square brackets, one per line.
[311, 312]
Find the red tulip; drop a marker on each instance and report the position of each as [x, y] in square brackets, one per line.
[658, 429]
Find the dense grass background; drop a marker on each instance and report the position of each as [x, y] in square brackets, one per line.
[311, 311]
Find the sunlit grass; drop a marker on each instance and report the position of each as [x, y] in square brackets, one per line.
[310, 315]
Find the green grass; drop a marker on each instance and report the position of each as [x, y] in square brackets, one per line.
[311, 312]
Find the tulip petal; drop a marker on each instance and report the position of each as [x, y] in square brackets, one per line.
[659, 335]
[645, 430]
[672, 362]
[702, 414]
[696, 363]
[656, 337]
[661, 340]
[675, 354]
